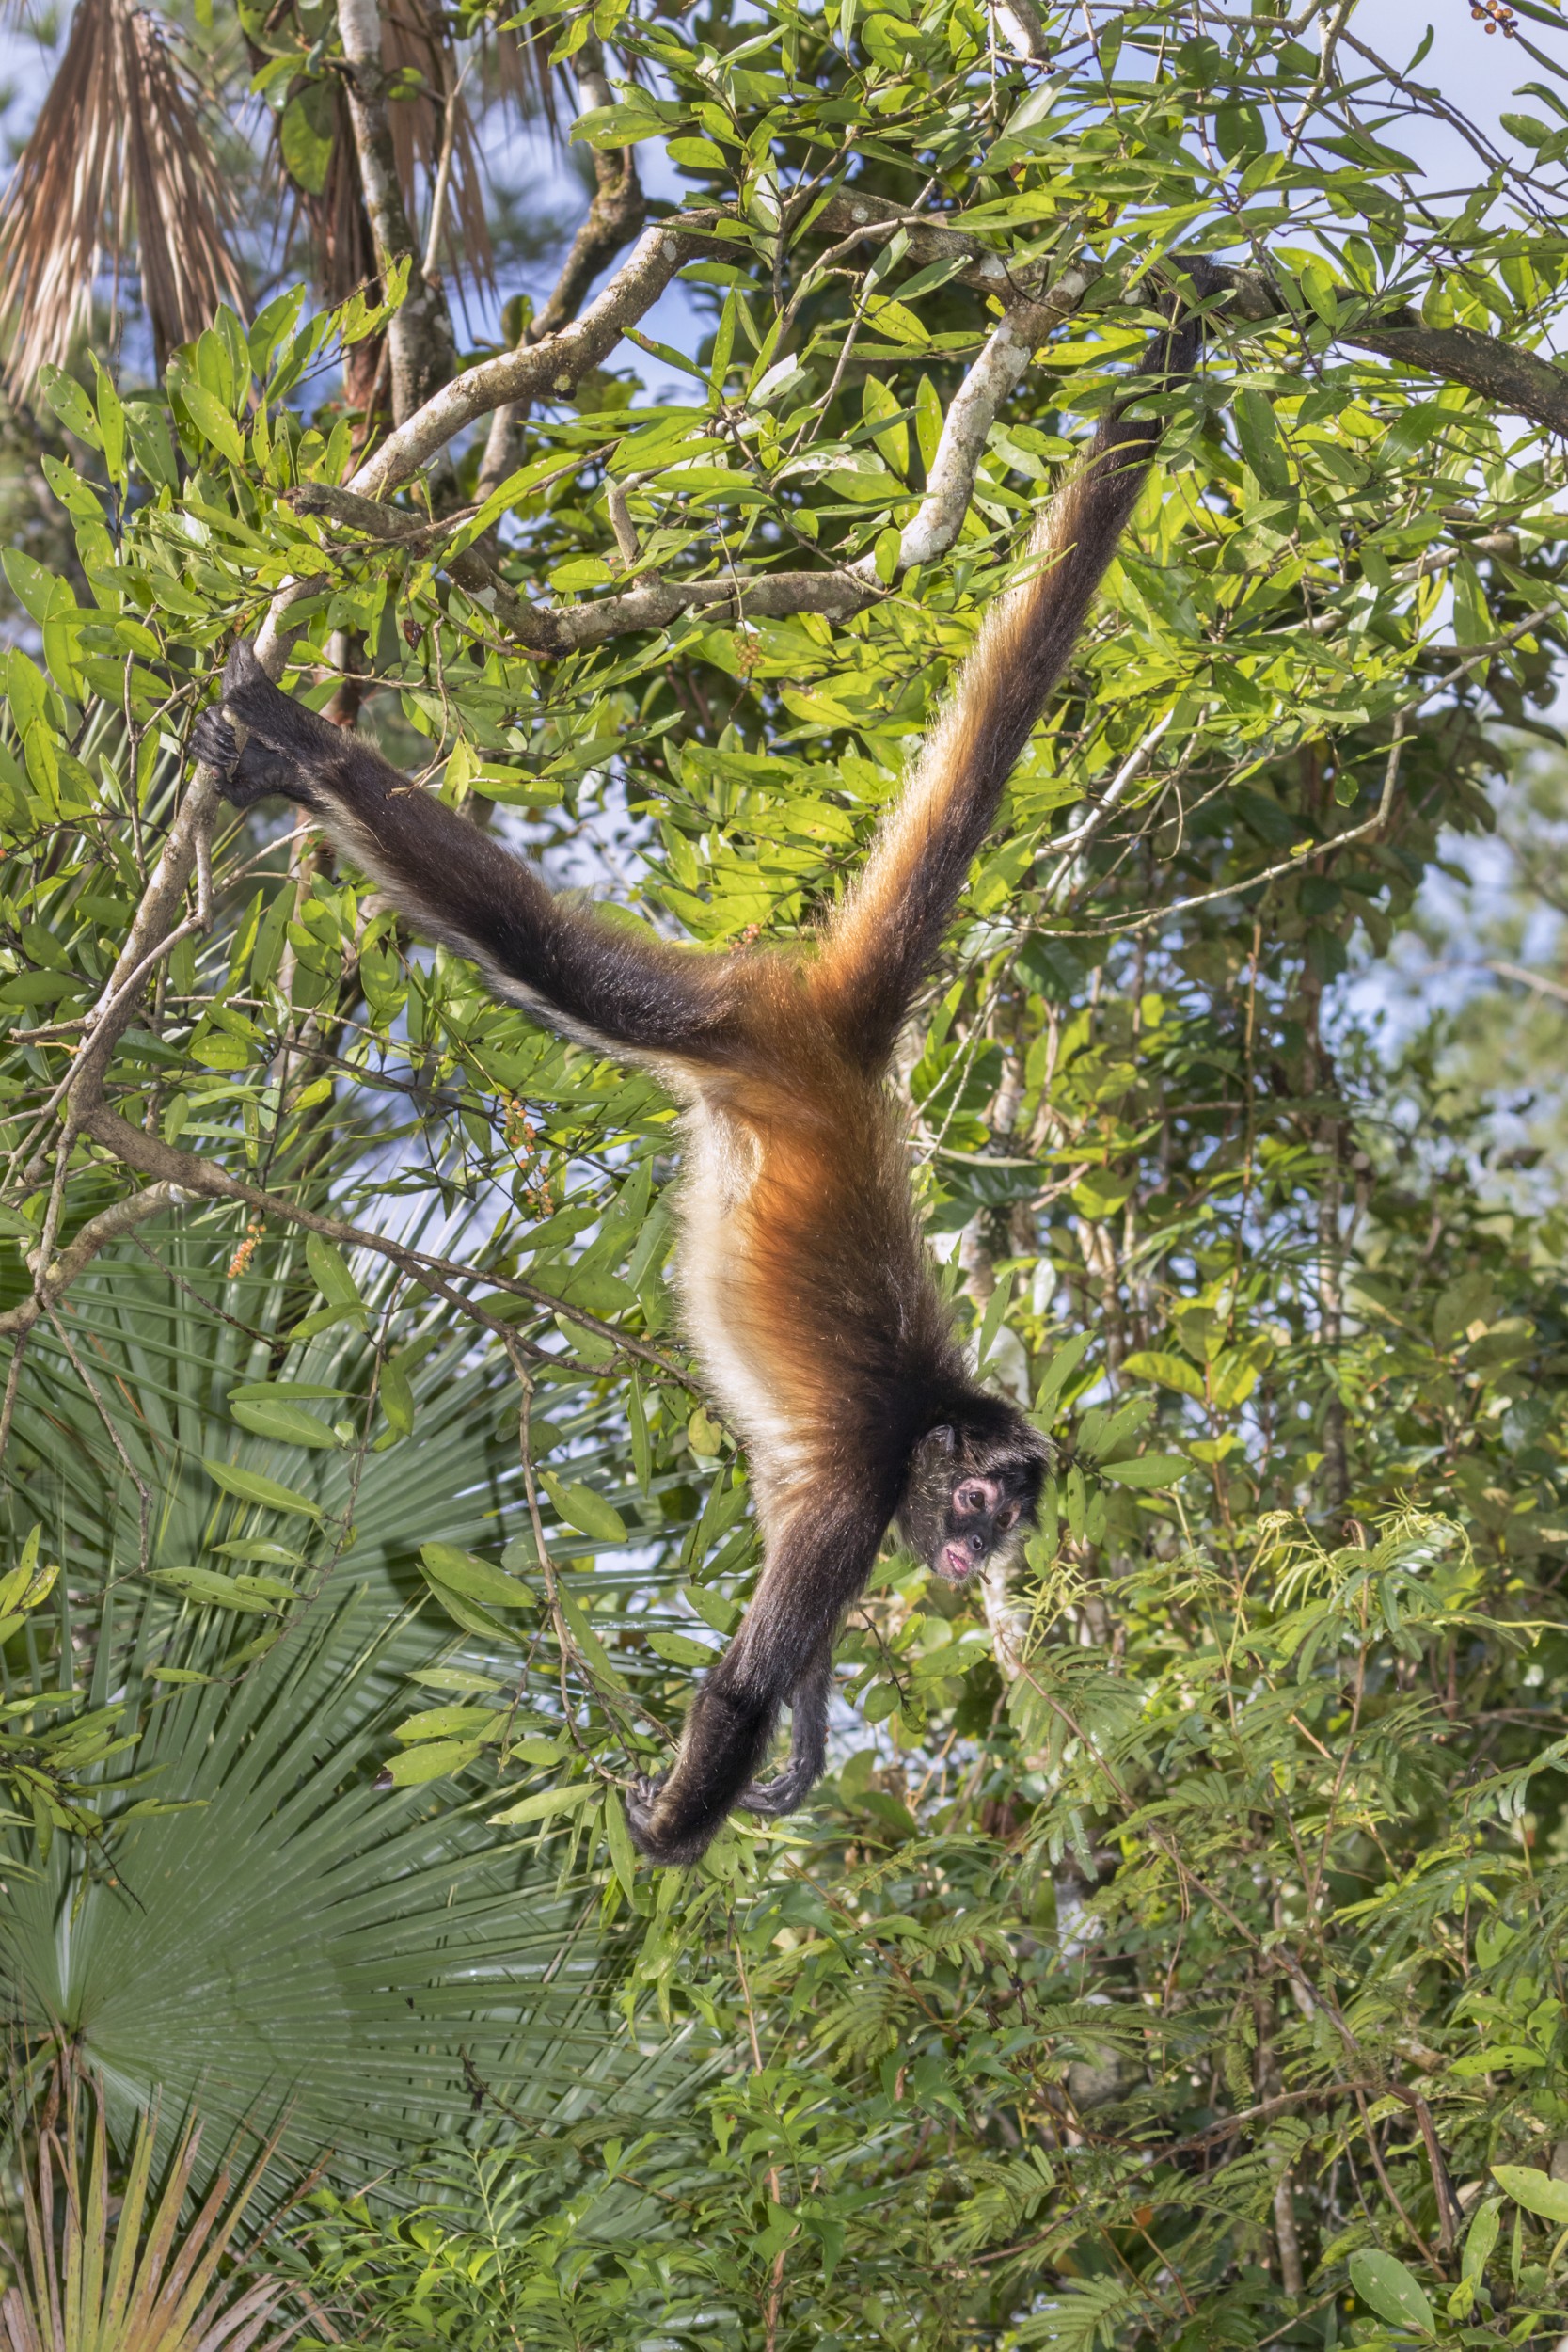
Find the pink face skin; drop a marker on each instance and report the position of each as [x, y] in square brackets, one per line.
[976, 1510]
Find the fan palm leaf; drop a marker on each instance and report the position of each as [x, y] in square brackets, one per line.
[295, 1949]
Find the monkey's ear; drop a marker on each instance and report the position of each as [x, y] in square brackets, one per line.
[943, 1436]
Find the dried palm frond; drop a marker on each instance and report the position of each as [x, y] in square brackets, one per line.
[335, 220]
[136, 2279]
[522, 69]
[116, 158]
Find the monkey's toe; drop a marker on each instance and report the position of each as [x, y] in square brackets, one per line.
[768, 1799]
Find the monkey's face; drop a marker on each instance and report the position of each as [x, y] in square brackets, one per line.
[957, 1517]
[981, 1520]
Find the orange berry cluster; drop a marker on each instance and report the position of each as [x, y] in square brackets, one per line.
[522, 1141]
[240, 1263]
[1495, 16]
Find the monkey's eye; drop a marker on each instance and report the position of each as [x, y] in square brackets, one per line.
[1007, 1517]
[971, 1498]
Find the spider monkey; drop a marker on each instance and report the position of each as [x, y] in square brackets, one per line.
[801, 1270]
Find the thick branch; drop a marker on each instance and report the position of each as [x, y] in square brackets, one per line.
[555, 366]
[1517, 380]
[835, 593]
[421, 346]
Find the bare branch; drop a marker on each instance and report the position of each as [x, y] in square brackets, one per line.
[205, 1179]
[995, 374]
[51, 1281]
[615, 215]
[1517, 380]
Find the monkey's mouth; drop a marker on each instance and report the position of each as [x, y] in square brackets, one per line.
[955, 1564]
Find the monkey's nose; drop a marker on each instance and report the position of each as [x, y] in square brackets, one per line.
[976, 1544]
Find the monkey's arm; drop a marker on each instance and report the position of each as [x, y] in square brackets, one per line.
[781, 1657]
[587, 976]
[885, 935]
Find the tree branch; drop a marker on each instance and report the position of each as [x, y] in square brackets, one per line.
[836, 592]
[122, 1216]
[1515, 380]
[556, 365]
[205, 1179]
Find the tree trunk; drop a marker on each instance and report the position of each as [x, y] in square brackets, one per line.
[615, 216]
[422, 345]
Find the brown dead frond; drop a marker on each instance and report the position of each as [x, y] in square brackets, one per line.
[337, 223]
[118, 163]
[522, 69]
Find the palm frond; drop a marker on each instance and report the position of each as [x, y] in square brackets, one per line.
[296, 1950]
[117, 158]
[413, 43]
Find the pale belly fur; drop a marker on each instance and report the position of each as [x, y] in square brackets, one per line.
[721, 1165]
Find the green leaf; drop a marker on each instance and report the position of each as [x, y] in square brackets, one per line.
[477, 1580]
[253, 1596]
[330, 1273]
[589, 1513]
[70, 403]
[396, 1394]
[432, 1759]
[211, 418]
[623, 1854]
[545, 1801]
[1172, 1372]
[1150, 1469]
[1480, 2237]
[1536, 2191]
[276, 1418]
[1259, 435]
[306, 137]
[1392, 2292]
[679, 1648]
[1064, 1362]
[250, 1486]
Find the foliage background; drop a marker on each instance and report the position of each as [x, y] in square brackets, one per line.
[1174, 1952]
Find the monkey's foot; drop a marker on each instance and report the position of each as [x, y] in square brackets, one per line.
[214, 742]
[642, 1800]
[785, 1794]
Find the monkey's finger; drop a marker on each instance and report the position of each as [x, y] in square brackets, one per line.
[215, 741]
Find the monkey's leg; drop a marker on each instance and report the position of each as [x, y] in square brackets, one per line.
[808, 1744]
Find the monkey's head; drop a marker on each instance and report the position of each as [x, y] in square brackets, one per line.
[973, 1489]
